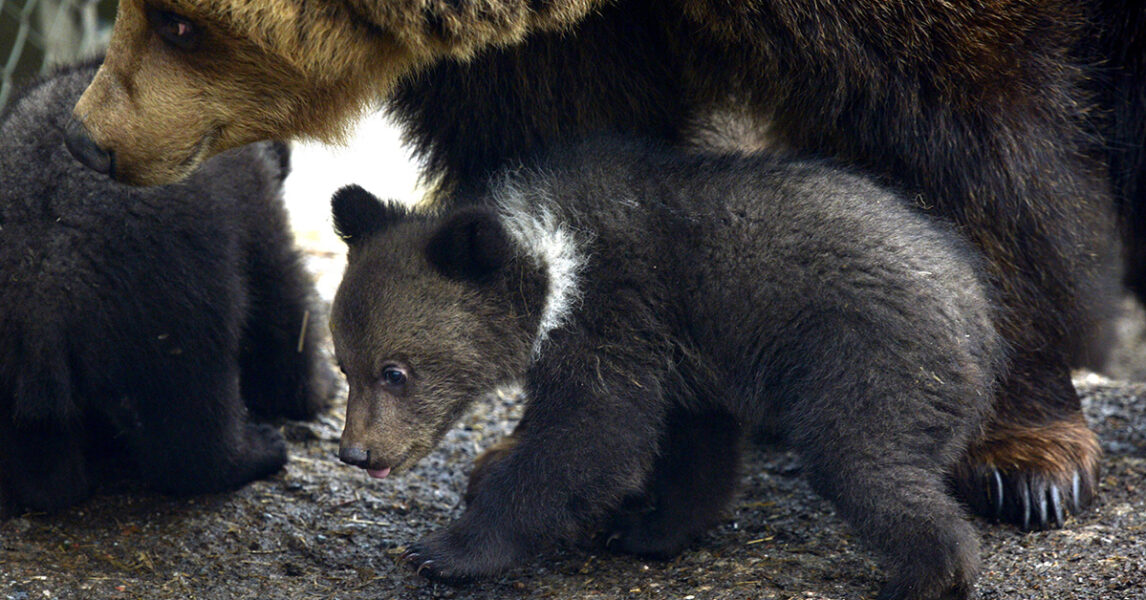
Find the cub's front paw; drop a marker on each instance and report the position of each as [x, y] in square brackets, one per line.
[647, 538]
[266, 451]
[455, 557]
[640, 528]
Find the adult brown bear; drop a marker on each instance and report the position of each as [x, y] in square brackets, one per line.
[985, 111]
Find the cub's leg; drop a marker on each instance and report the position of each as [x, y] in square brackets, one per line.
[693, 480]
[589, 439]
[484, 461]
[886, 482]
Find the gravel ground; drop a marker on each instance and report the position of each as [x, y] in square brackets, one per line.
[319, 530]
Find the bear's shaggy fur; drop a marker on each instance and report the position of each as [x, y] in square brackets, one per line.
[657, 306]
[983, 111]
[1120, 86]
[143, 325]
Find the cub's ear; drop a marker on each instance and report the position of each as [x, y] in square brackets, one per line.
[470, 244]
[358, 214]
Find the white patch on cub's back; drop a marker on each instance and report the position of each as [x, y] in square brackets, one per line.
[528, 218]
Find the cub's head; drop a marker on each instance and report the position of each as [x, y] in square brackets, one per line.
[433, 311]
[186, 79]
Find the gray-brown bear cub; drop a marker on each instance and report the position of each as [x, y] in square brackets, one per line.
[656, 306]
[142, 328]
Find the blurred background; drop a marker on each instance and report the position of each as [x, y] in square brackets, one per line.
[37, 34]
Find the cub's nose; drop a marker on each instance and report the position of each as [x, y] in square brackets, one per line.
[85, 150]
[354, 456]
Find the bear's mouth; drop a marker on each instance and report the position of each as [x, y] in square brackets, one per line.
[202, 149]
[381, 469]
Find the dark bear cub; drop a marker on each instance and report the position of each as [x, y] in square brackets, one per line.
[144, 324]
[657, 306]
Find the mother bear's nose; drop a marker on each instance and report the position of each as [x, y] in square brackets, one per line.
[85, 150]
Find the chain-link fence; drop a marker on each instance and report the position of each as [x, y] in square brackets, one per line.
[37, 34]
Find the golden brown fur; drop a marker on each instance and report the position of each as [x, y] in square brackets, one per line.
[274, 70]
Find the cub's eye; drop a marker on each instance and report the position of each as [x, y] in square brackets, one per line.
[394, 376]
[179, 32]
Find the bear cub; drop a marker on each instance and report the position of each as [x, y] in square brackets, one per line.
[656, 306]
[141, 327]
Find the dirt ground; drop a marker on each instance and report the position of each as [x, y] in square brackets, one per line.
[320, 530]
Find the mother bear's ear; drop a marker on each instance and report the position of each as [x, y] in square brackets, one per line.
[470, 244]
[358, 214]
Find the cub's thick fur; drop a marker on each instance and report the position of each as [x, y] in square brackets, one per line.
[143, 325]
[984, 111]
[657, 306]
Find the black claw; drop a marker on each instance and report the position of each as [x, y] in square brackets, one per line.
[1043, 513]
[1056, 506]
[998, 489]
[1076, 494]
[1030, 501]
[411, 556]
[1025, 505]
[612, 539]
[429, 564]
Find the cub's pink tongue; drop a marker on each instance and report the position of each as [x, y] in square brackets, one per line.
[378, 473]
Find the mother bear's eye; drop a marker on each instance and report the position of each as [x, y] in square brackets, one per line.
[179, 32]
